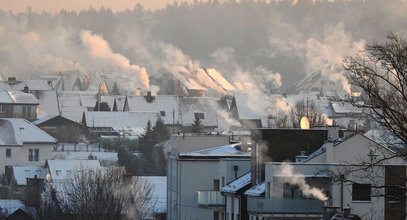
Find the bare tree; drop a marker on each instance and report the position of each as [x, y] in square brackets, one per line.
[381, 74]
[302, 108]
[104, 195]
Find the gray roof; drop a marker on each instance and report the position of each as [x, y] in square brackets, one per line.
[256, 190]
[39, 85]
[17, 131]
[17, 97]
[221, 151]
[120, 120]
[165, 103]
[21, 173]
[48, 101]
[190, 106]
[237, 184]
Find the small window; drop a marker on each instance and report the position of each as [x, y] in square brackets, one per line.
[8, 152]
[215, 215]
[216, 184]
[3, 109]
[27, 111]
[199, 115]
[361, 192]
[33, 154]
[162, 113]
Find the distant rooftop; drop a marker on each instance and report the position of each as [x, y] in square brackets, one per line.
[216, 152]
[17, 97]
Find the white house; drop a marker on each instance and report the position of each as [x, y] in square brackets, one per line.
[195, 179]
[23, 144]
[345, 173]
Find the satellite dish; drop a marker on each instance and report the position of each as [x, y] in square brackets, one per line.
[304, 123]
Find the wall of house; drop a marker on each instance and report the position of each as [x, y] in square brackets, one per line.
[192, 176]
[19, 155]
[227, 172]
[18, 112]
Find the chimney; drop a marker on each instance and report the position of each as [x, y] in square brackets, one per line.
[149, 97]
[333, 132]
[12, 80]
[26, 89]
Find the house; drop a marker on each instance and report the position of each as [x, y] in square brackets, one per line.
[63, 129]
[250, 110]
[167, 106]
[192, 196]
[15, 209]
[236, 201]
[31, 85]
[17, 104]
[348, 116]
[23, 144]
[199, 108]
[115, 102]
[337, 174]
[60, 170]
[115, 123]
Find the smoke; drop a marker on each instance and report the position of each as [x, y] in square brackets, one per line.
[100, 50]
[324, 55]
[289, 176]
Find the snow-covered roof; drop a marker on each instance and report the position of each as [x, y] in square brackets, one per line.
[159, 188]
[345, 107]
[21, 173]
[167, 104]
[72, 155]
[237, 184]
[256, 190]
[17, 131]
[386, 138]
[218, 78]
[186, 78]
[17, 97]
[251, 106]
[221, 151]
[37, 85]
[61, 169]
[73, 113]
[191, 106]
[110, 99]
[8, 207]
[48, 103]
[44, 119]
[119, 120]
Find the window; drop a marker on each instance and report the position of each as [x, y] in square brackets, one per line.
[8, 152]
[33, 154]
[216, 185]
[215, 215]
[58, 172]
[361, 192]
[291, 192]
[162, 113]
[27, 111]
[3, 109]
[199, 115]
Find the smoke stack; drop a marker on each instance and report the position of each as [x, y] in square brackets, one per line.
[25, 89]
[149, 97]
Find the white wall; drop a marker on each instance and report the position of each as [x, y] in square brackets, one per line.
[19, 155]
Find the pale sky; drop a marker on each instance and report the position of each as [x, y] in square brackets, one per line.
[56, 5]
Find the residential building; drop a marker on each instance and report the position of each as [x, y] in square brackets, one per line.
[23, 144]
[17, 104]
[194, 181]
[64, 129]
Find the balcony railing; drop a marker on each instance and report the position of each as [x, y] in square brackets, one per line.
[210, 198]
[276, 205]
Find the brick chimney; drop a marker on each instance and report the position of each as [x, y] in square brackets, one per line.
[149, 97]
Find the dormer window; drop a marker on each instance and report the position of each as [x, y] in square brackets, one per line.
[199, 115]
[162, 113]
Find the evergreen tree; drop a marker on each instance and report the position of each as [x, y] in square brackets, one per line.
[160, 132]
[115, 90]
[104, 107]
[197, 125]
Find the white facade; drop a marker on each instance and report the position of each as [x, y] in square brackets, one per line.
[194, 180]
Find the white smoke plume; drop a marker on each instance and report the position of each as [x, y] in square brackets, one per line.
[289, 176]
[100, 50]
[324, 54]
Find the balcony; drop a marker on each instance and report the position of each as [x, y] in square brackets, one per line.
[210, 198]
[284, 206]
